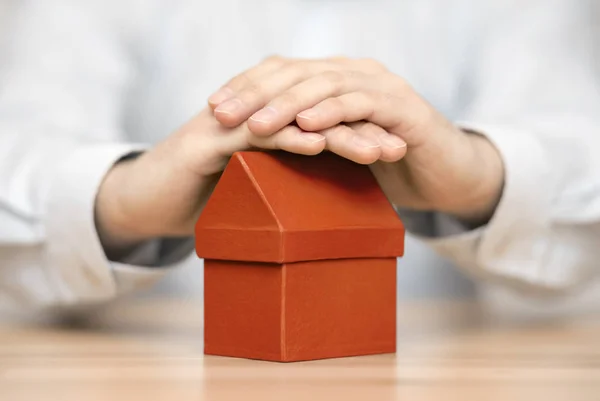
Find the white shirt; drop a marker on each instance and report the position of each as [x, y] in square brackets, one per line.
[86, 82]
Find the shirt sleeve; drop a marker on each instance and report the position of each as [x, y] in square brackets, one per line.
[64, 84]
[535, 96]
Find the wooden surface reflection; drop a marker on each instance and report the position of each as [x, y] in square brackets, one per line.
[152, 350]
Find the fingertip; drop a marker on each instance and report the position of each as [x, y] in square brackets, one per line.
[313, 149]
[230, 112]
[226, 119]
[393, 148]
[293, 140]
[212, 106]
[308, 124]
[393, 155]
[266, 121]
[309, 120]
[367, 151]
[311, 137]
[312, 143]
[219, 97]
[260, 128]
[362, 156]
[368, 156]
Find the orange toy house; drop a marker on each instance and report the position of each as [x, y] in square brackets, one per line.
[300, 260]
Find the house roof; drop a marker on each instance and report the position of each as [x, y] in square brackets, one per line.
[280, 207]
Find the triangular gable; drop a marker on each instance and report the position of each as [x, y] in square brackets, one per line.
[236, 219]
[237, 202]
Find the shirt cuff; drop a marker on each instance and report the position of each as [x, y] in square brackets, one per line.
[509, 249]
[150, 262]
[76, 264]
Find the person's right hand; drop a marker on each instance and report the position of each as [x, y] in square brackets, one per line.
[161, 192]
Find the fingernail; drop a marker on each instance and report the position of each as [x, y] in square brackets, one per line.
[265, 115]
[308, 114]
[392, 141]
[311, 137]
[220, 96]
[364, 142]
[229, 106]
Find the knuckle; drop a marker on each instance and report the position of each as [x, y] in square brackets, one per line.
[288, 99]
[335, 107]
[399, 84]
[239, 82]
[386, 97]
[332, 103]
[285, 138]
[335, 78]
[376, 97]
[251, 139]
[373, 96]
[372, 65]
[303, 68]
[253, 90]
[256, 141]
[297, 69]
[353, 74]
[275, 142]
[424, 114]
[418, 118]
[340, 130]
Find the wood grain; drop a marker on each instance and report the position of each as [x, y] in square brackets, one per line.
[152, 350]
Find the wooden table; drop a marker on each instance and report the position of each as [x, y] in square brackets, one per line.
[152, 350]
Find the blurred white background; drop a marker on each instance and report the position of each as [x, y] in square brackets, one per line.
[421, 274]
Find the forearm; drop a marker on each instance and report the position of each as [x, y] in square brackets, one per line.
[477, 208]
[539, 109]
[135, 200]
[540, 237]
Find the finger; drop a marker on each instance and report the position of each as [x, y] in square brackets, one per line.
[291, 139]
[397, 115]
[393, 148]
[346, 142]
[256, 92]
[241, 80]
[283, 109]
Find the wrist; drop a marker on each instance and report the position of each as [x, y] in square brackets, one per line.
[116, 233]
[480, 201]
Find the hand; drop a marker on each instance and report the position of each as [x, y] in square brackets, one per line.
[442, 168]
[161, 192]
